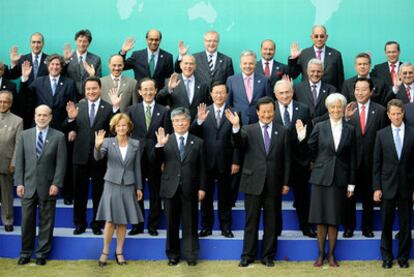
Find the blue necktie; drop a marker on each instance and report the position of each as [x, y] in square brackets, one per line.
[92, 114]
[54, 86]
[286, 117]
[39, 144]
[398, 144]
[266, 138]
[35, 66]
[181, 148]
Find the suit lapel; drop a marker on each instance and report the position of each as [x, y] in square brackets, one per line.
[172, 142]
[155, 118]
[196, 92]
[259, 137]
[273, 137]
[278, 118]
[344, 136]
[98, 113]
[183, 91]
[256, 83]
[370, 116]
[330, 135]
[188, 146]
[159, 64]
[322, 93]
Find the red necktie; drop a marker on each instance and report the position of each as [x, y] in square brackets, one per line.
[362, 116]
[408, 92]
[392, 73]
[267, 70]
[319, 51]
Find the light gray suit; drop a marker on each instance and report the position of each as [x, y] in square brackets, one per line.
[128, 88]
[11, 127]
[37, 175]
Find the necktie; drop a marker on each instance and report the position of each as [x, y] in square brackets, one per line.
[314, 95]
[408, 92]
[81, 68]
[267, 69]
[92, 114]
[392, 73]
[116, 83]
[188, 88]
[39, 144]
[319, 54]
[218, 117]
[362, 119]
[286, 117]
[152, 65]
[148, 116]
[398, 144]
[54, 86]
[36, 66]
[266, 138]
[210, 63]
[181, 148]
[248, 87]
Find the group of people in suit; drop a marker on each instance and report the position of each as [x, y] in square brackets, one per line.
[121, 132]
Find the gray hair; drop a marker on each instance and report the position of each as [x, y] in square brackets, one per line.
[248, 53]
[282, 82]
[316, 61]
[319, 26]
[333, 98]
[180, 111]
[9, 93]
[406, 64]
[213, 33]
[43, 106]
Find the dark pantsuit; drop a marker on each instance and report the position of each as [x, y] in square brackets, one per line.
[299, 181]
[6, 191]
[46, 223]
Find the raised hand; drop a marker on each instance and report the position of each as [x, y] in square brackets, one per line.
[174, 81]
[233, 118]
[14, 55]
[26, 69]
[128, 44]
[377, 195]
[397, 81]
[287, 78]
[299, 126]
[162, 138]
[67, 52]
[72, 110]
[350, 109]
[89, 68]
[99, 138]
[182, 48]
[114, 97]
[294, 50]
[202, 112]
[201, 195]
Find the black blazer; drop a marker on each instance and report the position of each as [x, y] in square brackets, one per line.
[138, 62]
[217, 141]
[10, 86]
[382, 71]
[409, 114]
[332, 168]
[394, 177]
[278, 70]
[381, 94]
[189, 174]
[261, 169]
[334, 68]
[85, 134]
[16, 71]
[402, 94]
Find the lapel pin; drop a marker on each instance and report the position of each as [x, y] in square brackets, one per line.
[102, 106]
[192, 142]
[5, 126]
[221, 61]
[113, 143]
[47, 141]
[158, 114]
[296, 108]
[259, 81]
[323, 91]
[277, 67]
[161, 56]
[198, 87]
[275, 132]
[61, 83]
[329, 53]
[4, 86]
[373, 112]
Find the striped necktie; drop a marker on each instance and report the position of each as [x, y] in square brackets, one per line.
[39, 144]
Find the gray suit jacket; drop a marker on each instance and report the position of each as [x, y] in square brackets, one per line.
[37, 175]
[119, 171]
[11, 127]
[128, 88]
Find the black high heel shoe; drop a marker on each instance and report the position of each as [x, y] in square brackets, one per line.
[101, 263]
[119, 262]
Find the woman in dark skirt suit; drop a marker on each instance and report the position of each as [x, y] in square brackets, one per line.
[332, 146]
[122, 188]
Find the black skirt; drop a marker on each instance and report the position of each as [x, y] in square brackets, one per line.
[327, 205]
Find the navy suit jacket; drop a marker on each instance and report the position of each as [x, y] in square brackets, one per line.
[16, 71]
[382, 71]
[409, 114]
[237, 97]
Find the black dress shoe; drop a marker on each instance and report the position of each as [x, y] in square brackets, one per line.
[348, 233]
[368, 234]
[386, 264]
[268, 263]
[227, 234]
[153, 232]
[40, 261]
[397, 235]
[67, 202]
[244, 263]
[403, 264]
[135, 231]
[97, 231]
[23, 260]
[8, 228]
[309, 232]
[79, 230]
[192, 263]
[173, 262]
[205, 233]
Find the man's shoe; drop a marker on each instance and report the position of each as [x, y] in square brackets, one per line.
[173, 262]
[268, 263]
[40, 261]
[397, 235]
[192, 263]
[403, 264]
[8, 228]
[348, 233]
[67, 202]
[97, 231]
[309, 232]
[23, 260]
[386, 264]
[227, 234]
[153, 232]
[368, 234]
[135, 231]
[205, 233]
[244, 263]
[79, 230]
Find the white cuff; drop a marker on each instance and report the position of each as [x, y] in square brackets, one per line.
[351, 188]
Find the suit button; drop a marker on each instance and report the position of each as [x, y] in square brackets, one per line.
[178, 175]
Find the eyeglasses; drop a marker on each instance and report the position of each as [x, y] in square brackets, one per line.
[318, 36]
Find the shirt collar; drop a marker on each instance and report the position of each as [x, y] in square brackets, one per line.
[366, 105]
[156, 52]
[54, 77]
[151, 105]
[394, 128]
[184, 135]
[113, 77]
[318, 84]
[262, 124]
[38, 55]
[335, 124]
[316, 49]
[251, 76]
[83, 55]
[97, 102]
[214, 55]
[191, 78]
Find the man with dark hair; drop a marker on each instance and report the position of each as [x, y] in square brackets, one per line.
[388, 70]
[393, 183]
[80, 64]
[265, 177]
[151, 62]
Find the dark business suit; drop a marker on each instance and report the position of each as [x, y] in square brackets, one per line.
[84, 165]
[409, 114]
[180, 183]
[382, 71]
[237, 97]
[41, 91]
[381, 92]
[179, 98]
[138, 62]
[75, 70]
[263, 176]
[10, 86]
[402, 94]
[333, 65]
[278, 70]
[222, 71]
[395, 178]
[376, 119]
[221, 155]
[37, 175]
[150, 167]
[299, 172]
[303, 94]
